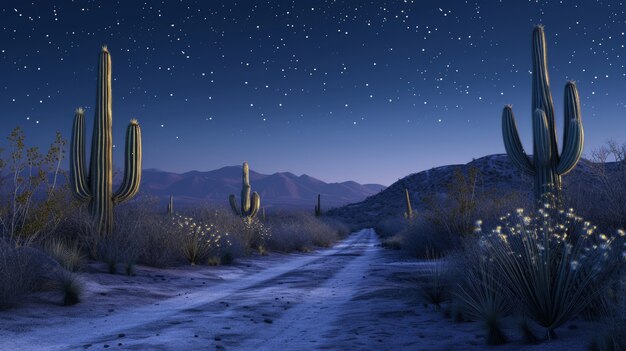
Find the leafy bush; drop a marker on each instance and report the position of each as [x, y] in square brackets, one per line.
[554, 263]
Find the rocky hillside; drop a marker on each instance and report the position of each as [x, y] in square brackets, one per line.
[497, 173]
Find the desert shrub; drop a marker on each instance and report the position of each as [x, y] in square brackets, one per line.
[156, 238]
[241, 236]
[420, 239]
[300, 231]
[553, 262]
[17, 276]
[341, 228]
[71, 288]
[604, 199]
[201, 240]
[481, 296]
[390, 226]
[35, 204]
[466, 199]
[69, 256]
[434, 284]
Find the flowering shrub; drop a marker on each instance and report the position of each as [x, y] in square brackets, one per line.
[201, 240]
[553, 262]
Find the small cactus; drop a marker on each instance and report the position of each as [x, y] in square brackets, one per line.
[409, 211]
[250, 205]
[318, 207]
[547, 165]
[170, 206]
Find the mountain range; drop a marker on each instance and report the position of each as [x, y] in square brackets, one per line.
[279, 190]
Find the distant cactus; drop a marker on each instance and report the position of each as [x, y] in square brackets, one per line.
[263, 218]
[97, 187]
[547, 166]
[250, 205]
[409, 211]
[170, 206]
[318, 207]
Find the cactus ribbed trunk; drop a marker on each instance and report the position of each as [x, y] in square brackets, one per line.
[547, 166]
[97, 187]
[101, 163]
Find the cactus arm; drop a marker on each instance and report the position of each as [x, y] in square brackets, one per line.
[541, 94]
[132, 165]
[255, 206]
[541, 135]
[78, 179]
[233, 204]
[573, 134]
[512, 142]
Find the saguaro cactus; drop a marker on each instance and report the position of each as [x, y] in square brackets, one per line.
[170, 206]
[546, 166]
[97, 187]
[409, 211]
[318, 207]
[249, 204]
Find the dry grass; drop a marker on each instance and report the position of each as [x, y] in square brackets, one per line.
[301, 231]
[17, 276]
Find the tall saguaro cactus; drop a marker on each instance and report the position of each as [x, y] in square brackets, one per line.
[170, 206]
[546, 166]
[97, 187]
[409, 210]
[249, 204]
[318, 207]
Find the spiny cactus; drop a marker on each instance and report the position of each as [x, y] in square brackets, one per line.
[250, 205]
[318, 207]
[546, 166]
[170, 206]
[97, 187]
[409, 211]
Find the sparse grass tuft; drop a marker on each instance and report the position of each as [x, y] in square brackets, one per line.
[483, 299]
[71, 288]
[434, 288]
[69, 257]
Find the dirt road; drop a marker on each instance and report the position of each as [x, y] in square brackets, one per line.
[354, 296]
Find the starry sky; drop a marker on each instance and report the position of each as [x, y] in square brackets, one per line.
[369, 91]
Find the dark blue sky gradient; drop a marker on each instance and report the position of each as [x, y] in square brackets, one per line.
[340, 90]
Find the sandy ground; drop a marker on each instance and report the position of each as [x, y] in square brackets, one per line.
[354, 296]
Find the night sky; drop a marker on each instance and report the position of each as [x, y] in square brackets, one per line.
[369, 91]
